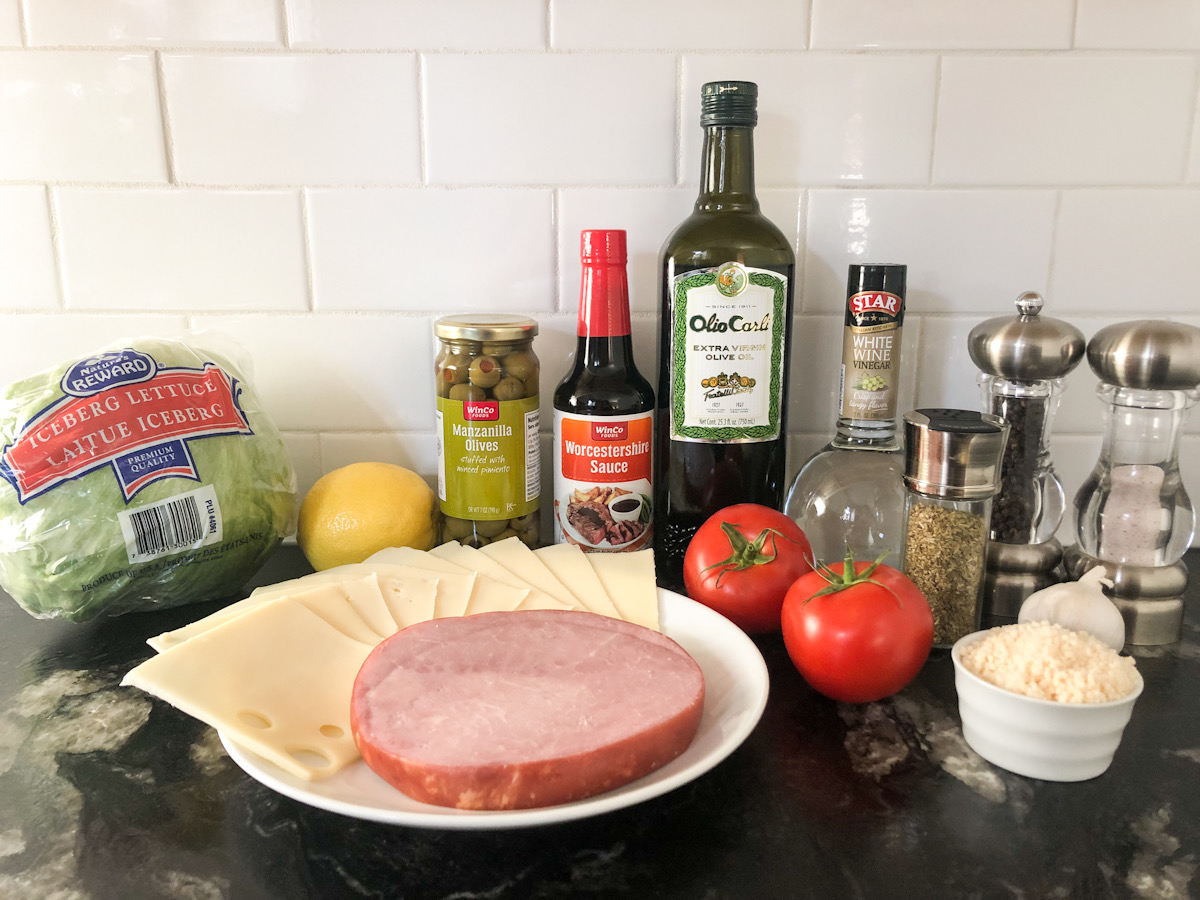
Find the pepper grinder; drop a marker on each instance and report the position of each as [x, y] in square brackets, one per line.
[1132, 513]
[1022, 362]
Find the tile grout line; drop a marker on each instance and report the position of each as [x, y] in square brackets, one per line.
[60, 272]
[422, 123]
[165, 117]
[933, 131]
[23, 23]
[285, 25]
[306, 243]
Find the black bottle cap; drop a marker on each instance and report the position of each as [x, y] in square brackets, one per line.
[729, 103]
[891, 279]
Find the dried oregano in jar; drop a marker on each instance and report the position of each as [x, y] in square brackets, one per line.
[951, 472]
[944, 557]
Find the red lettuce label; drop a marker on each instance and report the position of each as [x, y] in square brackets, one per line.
[123, 411]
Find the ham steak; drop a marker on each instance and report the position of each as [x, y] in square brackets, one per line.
[512, 710]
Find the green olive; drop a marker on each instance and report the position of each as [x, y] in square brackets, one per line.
[454, 369]
[504, 535]
[521, 364]
[489, 528]
[454, 528]
[497, 348]
[509, 389]
[475, 541]
[467, 392]
[485, 371]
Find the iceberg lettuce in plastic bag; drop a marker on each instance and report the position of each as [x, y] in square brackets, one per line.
[144, 476]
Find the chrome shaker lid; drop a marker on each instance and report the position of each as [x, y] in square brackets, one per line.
[953, 453]
[1028, 346]
[1147, 354]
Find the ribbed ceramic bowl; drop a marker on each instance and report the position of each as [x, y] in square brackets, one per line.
[1038, 738]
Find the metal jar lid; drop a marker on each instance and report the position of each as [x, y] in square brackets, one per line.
[1147, 354]
[953, 453]
[484, 327]
[1027, 347]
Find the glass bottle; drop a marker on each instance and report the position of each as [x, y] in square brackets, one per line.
[489, 466]
[1133, 509]
[727, 278]
[603, 415]
[952, 471]
[849, 496]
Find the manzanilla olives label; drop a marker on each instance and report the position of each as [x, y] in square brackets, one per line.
[488, 463]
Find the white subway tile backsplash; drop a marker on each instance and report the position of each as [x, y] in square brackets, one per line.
[413, 451]
[942, 24]
[276, 119]
[305, 452]
[825, 118]
[945, 373]
[80, 116]
[28, 279]
[1122, 251]
[966, 251]
[181, 249]
[469, 249]
[1063, 119]
[550, 119]
[31, 343]
[417, 25]
[1160, 24]
[171, 23]
[10, 23]
[678, 25]
[648, 217]
[338, 372]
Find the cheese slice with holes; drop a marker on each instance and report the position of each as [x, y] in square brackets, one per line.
[471, 558]
[276, 679]
[629, 581]
[570, 565]
[516, 557]
[487, 595]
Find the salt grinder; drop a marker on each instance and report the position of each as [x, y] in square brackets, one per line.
[1132, 513]
[1023, 360]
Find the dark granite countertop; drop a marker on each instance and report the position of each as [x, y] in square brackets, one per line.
[106, 793]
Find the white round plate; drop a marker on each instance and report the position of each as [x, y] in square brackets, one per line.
[735, 694]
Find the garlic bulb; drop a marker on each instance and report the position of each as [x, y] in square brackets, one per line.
[1079, 605]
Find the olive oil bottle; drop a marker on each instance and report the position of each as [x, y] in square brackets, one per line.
[727, 281]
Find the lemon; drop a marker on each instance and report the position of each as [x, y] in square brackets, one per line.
[364, 507]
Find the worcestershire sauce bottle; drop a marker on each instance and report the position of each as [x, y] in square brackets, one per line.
[603, 415]
[727, 281]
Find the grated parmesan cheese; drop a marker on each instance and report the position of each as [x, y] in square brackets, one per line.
[1050, 662]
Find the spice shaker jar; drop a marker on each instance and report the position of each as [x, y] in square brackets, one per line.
[1132, 512]
[1022, 362]
[489, 466]
[951, 473]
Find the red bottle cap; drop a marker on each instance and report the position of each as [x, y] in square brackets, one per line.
[602, 246]
[604, 291]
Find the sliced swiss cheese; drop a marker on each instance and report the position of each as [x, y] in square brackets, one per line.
[169, 639]
[471, 558]
[517, 558]
[570, 565]
[629, 581]
[276, 679]
[484, 595]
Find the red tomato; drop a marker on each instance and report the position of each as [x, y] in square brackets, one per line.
[857, 639]
[742, 561]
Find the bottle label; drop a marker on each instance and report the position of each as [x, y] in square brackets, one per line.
[488, 462]
[602, 474]
[729, 327]
[871, 355]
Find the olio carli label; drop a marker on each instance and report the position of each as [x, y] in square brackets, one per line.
[871, 355]
[602, 475]
[488, 463]
[728, 331]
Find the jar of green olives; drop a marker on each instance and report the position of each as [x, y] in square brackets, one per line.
[489, 462]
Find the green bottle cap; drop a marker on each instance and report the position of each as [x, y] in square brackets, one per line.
[729, 103]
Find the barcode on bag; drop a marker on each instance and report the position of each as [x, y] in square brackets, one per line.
[183, 522]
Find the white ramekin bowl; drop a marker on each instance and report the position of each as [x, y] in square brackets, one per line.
[1038, 738]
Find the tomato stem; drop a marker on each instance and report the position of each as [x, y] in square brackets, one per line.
[744, 552]
[849, 577]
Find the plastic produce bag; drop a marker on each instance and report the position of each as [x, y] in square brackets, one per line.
[144, 476]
